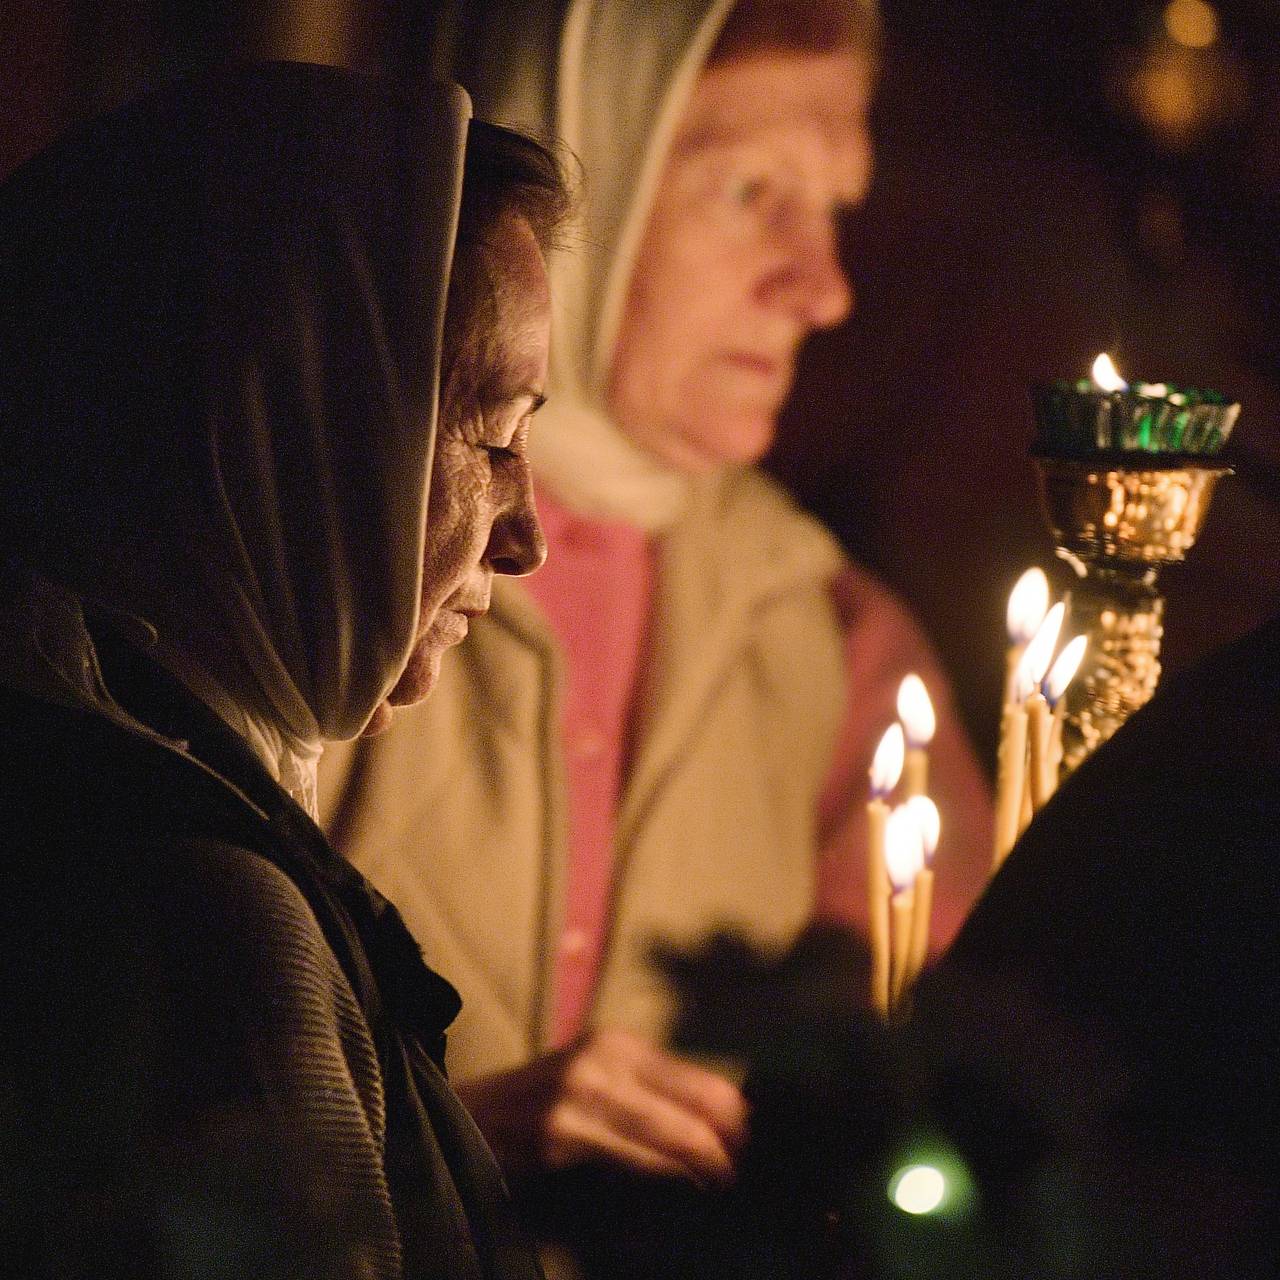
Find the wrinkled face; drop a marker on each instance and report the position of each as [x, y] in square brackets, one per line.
[738, 262]
[480, 516]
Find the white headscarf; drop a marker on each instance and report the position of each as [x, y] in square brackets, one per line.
[611, 78]
[220, 320]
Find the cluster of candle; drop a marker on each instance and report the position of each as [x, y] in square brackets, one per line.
[902, 841]
[1030, 756]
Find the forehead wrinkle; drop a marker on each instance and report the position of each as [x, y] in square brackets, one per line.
[831, 91]
[835, 127]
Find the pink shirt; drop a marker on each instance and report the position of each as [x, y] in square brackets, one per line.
[596, 591]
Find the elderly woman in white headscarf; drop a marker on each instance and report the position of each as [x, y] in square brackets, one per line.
[225, 313]
[668, 730]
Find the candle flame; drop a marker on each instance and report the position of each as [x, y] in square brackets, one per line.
[1105, 375]
[1035, 662]
[930, 822]
[1064, 669]
[886, 767]
[903, 848]
[915, 710]
[1028, 602]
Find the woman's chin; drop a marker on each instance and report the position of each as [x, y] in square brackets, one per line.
[417, 680]
[419, 677]
[379, 722]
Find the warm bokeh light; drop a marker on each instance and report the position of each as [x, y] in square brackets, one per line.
[1028, 602]
[915, 710]
[1035, 662]
[1064, 669]
[886, 765]
[1192, 23]
[930, 822]
[917, 1189]
[1106, 376]
[903, 847]
[1181, 93]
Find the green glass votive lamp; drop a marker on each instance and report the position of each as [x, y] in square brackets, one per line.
[1127, 474]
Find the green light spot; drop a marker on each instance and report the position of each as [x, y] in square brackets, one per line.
[918, 1189]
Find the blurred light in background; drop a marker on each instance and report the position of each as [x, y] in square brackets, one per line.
[324, 31]
[917, 1189]
[930, 1178]
[1183, 85]
[1161, 230]
[1191, 23]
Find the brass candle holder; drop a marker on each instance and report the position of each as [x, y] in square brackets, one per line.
[1126, 480]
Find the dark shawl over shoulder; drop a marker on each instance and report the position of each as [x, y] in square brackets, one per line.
[222, 1050]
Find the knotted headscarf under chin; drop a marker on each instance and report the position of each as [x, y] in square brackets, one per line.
[220, 320]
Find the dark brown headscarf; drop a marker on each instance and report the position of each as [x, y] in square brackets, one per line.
[220, 314]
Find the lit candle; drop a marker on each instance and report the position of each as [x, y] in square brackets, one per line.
[930, 824]
[1011, 772]
[1105, 375]
[886, 769]
[1011, 762]
[1055, 686]
[1028, 603]
[1035, 663]
[904, 857]
[919, 723]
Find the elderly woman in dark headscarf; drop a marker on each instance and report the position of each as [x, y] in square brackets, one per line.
[223, 325]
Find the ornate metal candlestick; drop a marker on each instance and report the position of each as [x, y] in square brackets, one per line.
[1127, 477]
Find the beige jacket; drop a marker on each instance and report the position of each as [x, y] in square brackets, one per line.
[458, 814]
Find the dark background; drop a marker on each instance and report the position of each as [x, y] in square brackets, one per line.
[1053, 180]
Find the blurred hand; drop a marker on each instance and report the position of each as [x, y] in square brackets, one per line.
[611, 1095]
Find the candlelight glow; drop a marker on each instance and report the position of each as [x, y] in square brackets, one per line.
[1064, 669]
[917, 1189]
[1192, 23]
[930, 820]
[1105, 375]
[916, 711]
[903, 848]
[1028, 602]
[886, 766]
[1035, 662]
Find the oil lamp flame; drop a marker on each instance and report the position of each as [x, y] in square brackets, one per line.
[930, 822]
[886, 766]
[903, 848]
[1105, 375]
[1028, 602]
[1035, 662]
[1064, 669]
[915, 710]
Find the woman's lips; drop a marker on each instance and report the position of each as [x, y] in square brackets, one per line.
[450, 626]
[749, 362]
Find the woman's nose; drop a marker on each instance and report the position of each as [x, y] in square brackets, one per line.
[516, 543]
[812, 283]
[826, 294]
